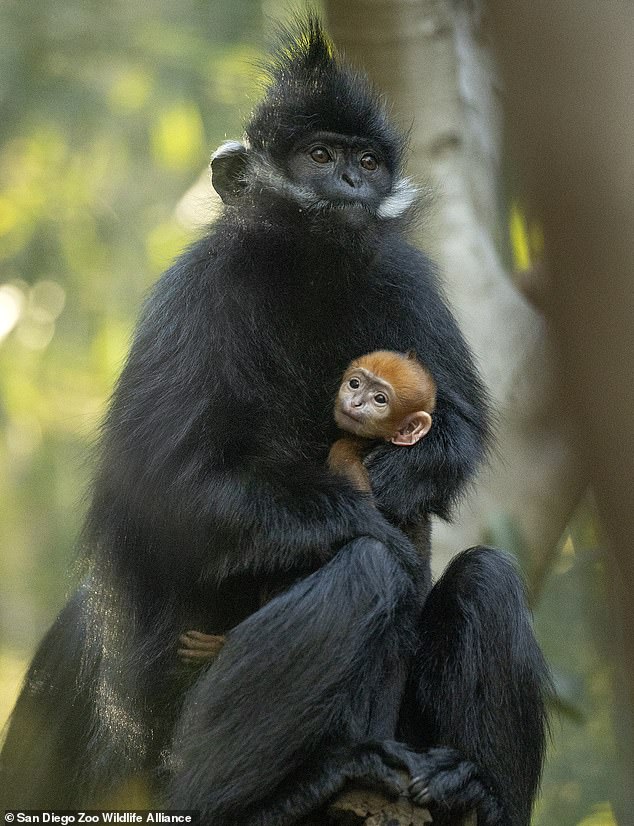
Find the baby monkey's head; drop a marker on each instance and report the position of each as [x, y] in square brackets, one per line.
[386, 395]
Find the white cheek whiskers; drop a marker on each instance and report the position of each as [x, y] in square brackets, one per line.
[399, 200]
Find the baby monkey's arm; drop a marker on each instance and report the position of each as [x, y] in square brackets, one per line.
[346, 457]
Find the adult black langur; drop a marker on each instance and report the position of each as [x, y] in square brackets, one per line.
[212, 485]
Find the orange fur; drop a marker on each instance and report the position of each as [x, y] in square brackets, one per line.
[412, 383]
[346, 457]
[413, 389]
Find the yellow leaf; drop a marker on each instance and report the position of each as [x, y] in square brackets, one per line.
[178, 137]
[519, 239]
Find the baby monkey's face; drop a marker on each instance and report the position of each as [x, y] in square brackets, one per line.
[365, 405]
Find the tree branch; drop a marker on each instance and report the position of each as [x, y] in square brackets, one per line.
[358, 806]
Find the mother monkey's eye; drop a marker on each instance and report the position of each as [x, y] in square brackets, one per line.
[369, 161]
[320, 154]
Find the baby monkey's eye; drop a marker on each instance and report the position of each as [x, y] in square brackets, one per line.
[380, 398]
[354, 383]
[320, 154]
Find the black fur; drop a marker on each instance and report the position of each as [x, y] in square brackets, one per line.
[478, 653]
[212, 483]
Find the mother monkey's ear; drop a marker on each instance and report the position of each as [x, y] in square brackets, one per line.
[228, 165]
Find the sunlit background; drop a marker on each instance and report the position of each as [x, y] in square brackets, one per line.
[109, 113]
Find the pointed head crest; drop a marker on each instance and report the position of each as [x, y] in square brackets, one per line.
[311, 89]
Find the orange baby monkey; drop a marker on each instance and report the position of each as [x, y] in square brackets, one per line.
[383, 395]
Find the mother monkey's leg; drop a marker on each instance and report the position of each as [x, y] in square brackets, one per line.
[304, 692]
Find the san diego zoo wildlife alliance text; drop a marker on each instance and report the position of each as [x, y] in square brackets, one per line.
[67, 818]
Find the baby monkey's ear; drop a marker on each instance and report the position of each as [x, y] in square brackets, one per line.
[411, 355]
[412, 429]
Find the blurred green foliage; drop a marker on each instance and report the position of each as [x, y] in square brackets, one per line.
[582, 782]
[108, 113]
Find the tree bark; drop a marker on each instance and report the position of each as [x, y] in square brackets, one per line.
[362, 807]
